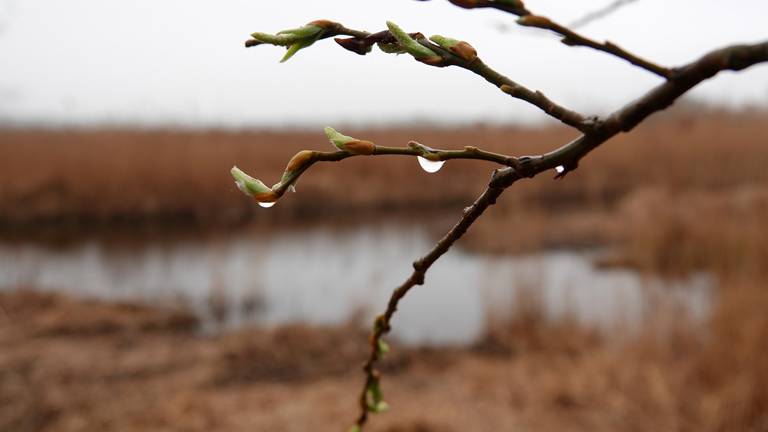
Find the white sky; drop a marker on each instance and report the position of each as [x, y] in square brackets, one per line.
[162, 62]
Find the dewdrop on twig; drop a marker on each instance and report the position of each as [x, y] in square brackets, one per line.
[428, 165]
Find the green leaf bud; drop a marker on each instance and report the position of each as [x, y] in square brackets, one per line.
[460, 48]
[308, 31]
[382, 348]
[412, 47]
[252, 187]
[280, 40]
[379, 407]
[295, 39]
[349, 144]
[294, 48]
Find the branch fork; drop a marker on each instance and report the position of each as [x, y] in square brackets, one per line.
[441, 51]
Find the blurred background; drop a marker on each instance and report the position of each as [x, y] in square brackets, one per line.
[140, 290]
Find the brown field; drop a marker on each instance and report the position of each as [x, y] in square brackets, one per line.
[685, 191]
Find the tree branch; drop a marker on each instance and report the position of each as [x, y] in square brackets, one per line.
[569, 37]
[445, 52]
[731, 58]
[304, 159]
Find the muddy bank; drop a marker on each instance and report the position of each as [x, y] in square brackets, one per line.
[73, 365]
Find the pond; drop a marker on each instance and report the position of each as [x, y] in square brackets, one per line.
[327, 275]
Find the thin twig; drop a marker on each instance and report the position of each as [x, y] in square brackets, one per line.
[599, 14]
[420, 267]
[730, 58]
[306, 158]
[534, 97]
[569, 37]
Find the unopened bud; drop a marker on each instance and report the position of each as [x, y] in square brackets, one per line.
[281, 40]
[535, 21]
[358, 46]
[304, 32]
[460, 48]
[296, 47]
[298, 160]
[323, 23]
[349, 144]
[253, 187]
[414, 48]
[382, 348]
[379, 407]
[295, 39]
[375, 397]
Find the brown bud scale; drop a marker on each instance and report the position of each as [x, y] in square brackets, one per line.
[465, 51]
[360, 147]
[323, 23]
[266, 197]
[298, 160]
[535, 21]
[432, 61]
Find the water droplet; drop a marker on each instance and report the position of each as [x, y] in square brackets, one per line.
[266, 204]
[560, 169]
[430, 166]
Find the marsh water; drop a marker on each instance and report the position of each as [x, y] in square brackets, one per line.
[330, 274]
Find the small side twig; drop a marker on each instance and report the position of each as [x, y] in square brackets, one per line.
[304, 159]
[420, 267]
[569, 37]
[599, 14]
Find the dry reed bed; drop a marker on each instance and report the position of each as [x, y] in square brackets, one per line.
[145, 175]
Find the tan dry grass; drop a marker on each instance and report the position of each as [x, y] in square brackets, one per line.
[130, 175]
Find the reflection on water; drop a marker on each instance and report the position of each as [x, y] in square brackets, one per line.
[325, 275]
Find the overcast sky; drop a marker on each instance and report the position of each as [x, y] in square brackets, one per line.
[168, 62]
